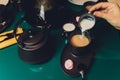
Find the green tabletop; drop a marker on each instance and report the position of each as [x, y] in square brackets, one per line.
[106, 64]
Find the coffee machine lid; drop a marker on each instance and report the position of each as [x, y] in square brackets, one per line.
[32, 40]
[32, 37]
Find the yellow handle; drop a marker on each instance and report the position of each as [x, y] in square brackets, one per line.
[10, 41]
[7, 43]
[2, 38]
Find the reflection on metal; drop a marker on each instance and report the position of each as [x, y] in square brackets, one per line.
[82, 74]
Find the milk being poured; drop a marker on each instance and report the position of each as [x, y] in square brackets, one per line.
[87, 24]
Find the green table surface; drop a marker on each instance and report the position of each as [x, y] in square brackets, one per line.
[106, 64]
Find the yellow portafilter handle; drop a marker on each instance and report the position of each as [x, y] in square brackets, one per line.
[10, 41]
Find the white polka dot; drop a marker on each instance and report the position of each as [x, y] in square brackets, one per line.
[68, 27]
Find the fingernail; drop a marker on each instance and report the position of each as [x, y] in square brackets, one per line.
[89, 12]
[94, 13]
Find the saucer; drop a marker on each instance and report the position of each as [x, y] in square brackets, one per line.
[80, 2]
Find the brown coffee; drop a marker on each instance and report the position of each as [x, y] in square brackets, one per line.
[79, 40]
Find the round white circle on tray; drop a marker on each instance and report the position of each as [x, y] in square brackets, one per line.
[68, 27]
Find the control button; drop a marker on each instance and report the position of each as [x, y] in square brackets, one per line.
[68, 64]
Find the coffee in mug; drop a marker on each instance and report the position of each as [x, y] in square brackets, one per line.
[79, 40]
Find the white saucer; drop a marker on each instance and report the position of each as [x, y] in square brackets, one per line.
[80, 2]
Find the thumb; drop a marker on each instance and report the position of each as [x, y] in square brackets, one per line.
[100, 14]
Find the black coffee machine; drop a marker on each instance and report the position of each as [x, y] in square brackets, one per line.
[35, 45]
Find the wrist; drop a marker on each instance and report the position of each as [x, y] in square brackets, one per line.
[117, 27]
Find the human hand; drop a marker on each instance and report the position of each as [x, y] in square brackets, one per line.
[4, 2]
[108, 11]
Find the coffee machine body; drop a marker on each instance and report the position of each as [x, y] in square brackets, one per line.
[35, 46]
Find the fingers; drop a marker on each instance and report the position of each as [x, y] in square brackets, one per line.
[98, 6]
[100, 9]
[100, 14]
